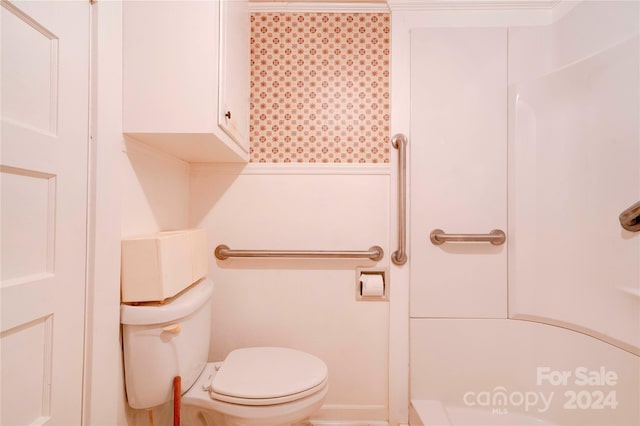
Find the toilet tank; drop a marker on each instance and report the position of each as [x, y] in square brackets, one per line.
[161, 341]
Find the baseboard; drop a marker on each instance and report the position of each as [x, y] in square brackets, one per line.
[347, 423]
[351, 415]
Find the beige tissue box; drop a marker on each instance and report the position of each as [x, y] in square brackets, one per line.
[156, 267]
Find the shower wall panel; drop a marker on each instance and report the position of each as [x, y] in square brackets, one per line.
[574, 166]
[458, 170]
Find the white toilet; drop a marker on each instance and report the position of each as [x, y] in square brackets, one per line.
[253, 386]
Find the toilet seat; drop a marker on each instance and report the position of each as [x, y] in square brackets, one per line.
[267, 401]
[266, 376]
[197, 404]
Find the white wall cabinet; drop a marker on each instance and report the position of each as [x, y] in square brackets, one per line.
[186, 78]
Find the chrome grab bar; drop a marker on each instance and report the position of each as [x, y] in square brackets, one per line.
[630, 218]
[376, 253]
[495, 237]
[399, 141]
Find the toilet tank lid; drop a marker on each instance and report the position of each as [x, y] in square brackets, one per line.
[179, 306]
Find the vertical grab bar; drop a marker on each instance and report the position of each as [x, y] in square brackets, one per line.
[399, 142]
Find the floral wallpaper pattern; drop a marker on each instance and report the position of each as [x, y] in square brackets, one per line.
[319, 87]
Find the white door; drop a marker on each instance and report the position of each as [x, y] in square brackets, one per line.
[44, 95]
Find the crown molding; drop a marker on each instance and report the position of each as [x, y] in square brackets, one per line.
[462, 5]
[559, 6]
[327, 7]
[292, 168]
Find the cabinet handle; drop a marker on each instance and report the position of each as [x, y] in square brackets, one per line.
[228, 115]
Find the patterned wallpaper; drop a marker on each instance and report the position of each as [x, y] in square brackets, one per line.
[319, 87]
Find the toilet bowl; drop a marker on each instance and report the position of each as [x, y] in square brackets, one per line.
[258, 386]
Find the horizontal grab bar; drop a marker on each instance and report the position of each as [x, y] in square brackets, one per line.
[630, 218]
[495, 237]
[376, 253]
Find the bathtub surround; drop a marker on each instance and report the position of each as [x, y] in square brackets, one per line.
[515, 357]
[489, 351]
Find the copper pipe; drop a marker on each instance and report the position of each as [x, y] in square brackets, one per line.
[177, 392]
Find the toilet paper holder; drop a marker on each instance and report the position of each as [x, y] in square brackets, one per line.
[368, 286]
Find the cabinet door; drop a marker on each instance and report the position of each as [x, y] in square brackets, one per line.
[233, 110]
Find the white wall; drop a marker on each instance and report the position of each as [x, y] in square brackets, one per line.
[155, 193]
[588, 27]
[155, 190]
[304, 304]
[135, 190]
[592, 26]
[104, 402]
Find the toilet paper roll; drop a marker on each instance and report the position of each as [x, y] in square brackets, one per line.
[372, 285]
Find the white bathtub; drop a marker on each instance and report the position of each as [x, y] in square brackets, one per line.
[425, 412]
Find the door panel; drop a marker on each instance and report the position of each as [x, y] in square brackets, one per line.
[28, 201]
[45, 69]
